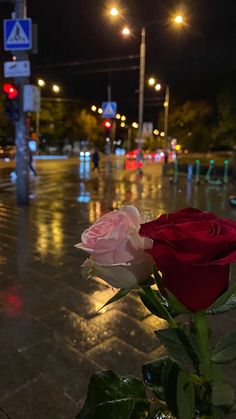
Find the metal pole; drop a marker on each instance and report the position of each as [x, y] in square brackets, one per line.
[22, 157]
[167, 102]
[142, 79]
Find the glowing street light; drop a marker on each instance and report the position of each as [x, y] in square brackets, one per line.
[93, 108]
[135, 125]
[56, 88]
[122, 124]
[162, 134]
[100, 111]
[151, 81]
[41, 82]
[123, 118]
[156, 132]
[158, 87]
[114, 11]
[118, 116]
[125, 31]
[179, 19]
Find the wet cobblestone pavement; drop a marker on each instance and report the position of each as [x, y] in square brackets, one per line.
[52, 337]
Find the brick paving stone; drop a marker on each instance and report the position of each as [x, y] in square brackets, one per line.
[154, 323]
[19, 330]
[63, 366]
[117, 355]
[15, 372]
[116, 323]
[39, 399]
[78, 331]
[80, 303]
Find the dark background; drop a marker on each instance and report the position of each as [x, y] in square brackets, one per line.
[196, 61]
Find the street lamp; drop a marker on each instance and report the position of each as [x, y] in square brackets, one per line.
[41, 82]
[126, 31]
[165, 104]
[178, 19]
[114, 11]
[158, 87]
[55, 88]
[151, 81]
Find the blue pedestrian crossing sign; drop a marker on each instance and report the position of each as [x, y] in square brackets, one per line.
[109, 109]
[17, 34]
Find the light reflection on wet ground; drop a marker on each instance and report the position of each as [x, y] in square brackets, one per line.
[51, 333]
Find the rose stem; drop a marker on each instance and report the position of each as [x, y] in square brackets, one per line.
[202, 335]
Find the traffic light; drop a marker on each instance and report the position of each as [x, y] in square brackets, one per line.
[12, 101]
[107, 124]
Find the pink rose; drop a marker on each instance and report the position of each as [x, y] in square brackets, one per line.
[113, 239]
[116, 249]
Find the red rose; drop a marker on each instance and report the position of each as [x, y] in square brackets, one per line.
[193, 249]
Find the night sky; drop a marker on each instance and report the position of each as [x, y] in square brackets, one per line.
[195, 61]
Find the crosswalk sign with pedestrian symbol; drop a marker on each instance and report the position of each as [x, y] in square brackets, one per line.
[17, 34]
[109, 109]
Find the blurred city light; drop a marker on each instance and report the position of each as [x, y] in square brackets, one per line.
[123, 118]
[114, 11]
[41, 82]
[125, 31]
[165, 104]
[122, 124]
[135, 125]
[158, 87]
[56, 88]
[100, 110]
[93, 108]
[151, 81]
[118, 116]
[178, 19]
[162, 134]
[156, 132]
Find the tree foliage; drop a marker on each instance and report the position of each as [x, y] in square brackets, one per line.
[191, 123]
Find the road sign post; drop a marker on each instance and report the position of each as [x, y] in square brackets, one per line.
[17, 38]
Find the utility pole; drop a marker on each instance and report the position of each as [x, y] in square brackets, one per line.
[22, 155]
[142, 79]
[166, 105]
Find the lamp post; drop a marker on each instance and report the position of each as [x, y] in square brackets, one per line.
[152, 82]
[55, 89]
[166, 106]
[178, 20]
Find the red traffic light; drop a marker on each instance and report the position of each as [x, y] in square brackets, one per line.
[107, 124]
[10, 90]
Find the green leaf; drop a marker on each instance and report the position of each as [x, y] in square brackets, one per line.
[180, 346]
[169, 379]
[229, 305]
[155, 304]
[154, 374]
[222, 395]
[185, 397]
[225, 350]
[176, 305]
[114, 396]
[223, 298]
[120, 294]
